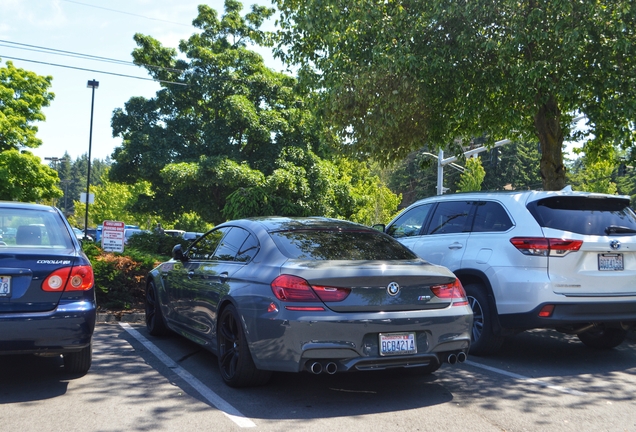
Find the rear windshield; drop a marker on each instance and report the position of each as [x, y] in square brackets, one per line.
[31, 228]
[340, 245]
[585, 215]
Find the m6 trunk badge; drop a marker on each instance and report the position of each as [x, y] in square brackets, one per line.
[615, 245]
[393, 289]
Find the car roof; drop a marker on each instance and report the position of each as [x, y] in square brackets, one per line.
[19, 204]
[521, 196]
[280, 223]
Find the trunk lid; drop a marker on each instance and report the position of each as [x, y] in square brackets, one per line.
[369, 283]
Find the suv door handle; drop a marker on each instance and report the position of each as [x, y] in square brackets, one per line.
[223, 277]
[455, 245]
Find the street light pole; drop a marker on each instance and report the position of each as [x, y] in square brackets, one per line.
[91, 84]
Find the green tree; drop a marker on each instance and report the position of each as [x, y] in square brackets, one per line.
[23, 177]
[23, 94]
[227, 136]
[472, 177]
[395, 75]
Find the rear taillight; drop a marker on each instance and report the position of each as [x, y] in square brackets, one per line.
[541, 246]
[78, 278]
[453, 291]
[290, 288]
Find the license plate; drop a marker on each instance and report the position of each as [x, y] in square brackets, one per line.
[5, 286]
[610, 262]
[397, 344]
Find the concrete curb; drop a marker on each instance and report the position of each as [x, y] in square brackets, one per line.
[123, 317]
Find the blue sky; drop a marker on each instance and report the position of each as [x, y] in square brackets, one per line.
[98, 28]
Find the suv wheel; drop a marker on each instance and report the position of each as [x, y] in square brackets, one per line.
[603, 338]
[483, 339]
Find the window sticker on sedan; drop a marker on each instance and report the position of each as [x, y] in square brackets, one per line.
[5, 286]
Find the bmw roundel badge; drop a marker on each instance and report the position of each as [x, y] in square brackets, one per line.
[393, 288]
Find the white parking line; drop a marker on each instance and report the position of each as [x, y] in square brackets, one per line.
[227, 409]
[535, 381]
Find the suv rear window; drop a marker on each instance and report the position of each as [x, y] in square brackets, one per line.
[340, 245]
[585, 215]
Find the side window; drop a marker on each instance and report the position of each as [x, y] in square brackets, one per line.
[410, 223]
[451, 217]
[204, 248]
[248, 249]
[230, 244]
[491, 216]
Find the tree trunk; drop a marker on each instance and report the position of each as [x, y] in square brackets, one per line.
[547, 122]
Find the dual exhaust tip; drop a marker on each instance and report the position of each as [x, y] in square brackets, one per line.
[331, 368]
[318, 368]
[460, 357]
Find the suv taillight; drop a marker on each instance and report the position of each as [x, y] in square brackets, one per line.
[542, 246]
[453, 291]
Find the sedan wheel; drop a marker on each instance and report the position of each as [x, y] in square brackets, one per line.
[78, 363]
[155, 323]
[235, 361]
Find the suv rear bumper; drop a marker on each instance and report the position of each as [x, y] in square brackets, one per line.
[568, 314]
[68, 328]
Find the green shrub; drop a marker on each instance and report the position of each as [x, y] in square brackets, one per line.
[120, 278]
[154, 243]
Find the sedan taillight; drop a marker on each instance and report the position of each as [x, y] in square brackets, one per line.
[453, 291]
[542, 246]
[296, 289]
[78, 278]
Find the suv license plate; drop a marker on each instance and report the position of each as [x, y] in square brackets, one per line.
[610, 262]
[5, 286]
[397, 344]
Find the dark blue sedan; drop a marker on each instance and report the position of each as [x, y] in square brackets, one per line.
[47, 293]
[313, 294]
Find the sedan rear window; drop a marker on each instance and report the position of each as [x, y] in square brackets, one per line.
[340, 245]
[585, 215]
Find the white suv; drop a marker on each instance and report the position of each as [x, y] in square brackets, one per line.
[562, 260]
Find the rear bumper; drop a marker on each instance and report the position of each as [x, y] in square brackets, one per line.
[68, 328]
[292, 341]
[572, 314]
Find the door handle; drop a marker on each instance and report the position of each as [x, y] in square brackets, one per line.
[190, 275]
[455, 246]
[223, 277]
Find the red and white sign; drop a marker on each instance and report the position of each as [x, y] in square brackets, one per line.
[113, 236]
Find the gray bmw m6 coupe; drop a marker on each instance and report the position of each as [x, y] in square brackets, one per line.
[308, 294]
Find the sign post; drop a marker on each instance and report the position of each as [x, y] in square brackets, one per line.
[113, 236]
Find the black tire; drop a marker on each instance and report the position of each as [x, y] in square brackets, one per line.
[235, 361]
[603, 338]
[78, 363]
[483, 339]
[155, 322]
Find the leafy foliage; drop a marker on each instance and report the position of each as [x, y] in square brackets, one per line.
[24, 178]
[395, 76]
[471, 179]
[228, 137]
[23, 94]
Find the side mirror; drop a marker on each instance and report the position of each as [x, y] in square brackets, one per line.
[177, 253]
[379, 227]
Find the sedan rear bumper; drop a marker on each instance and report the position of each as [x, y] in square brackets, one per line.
[291, 342]
[67, 328]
